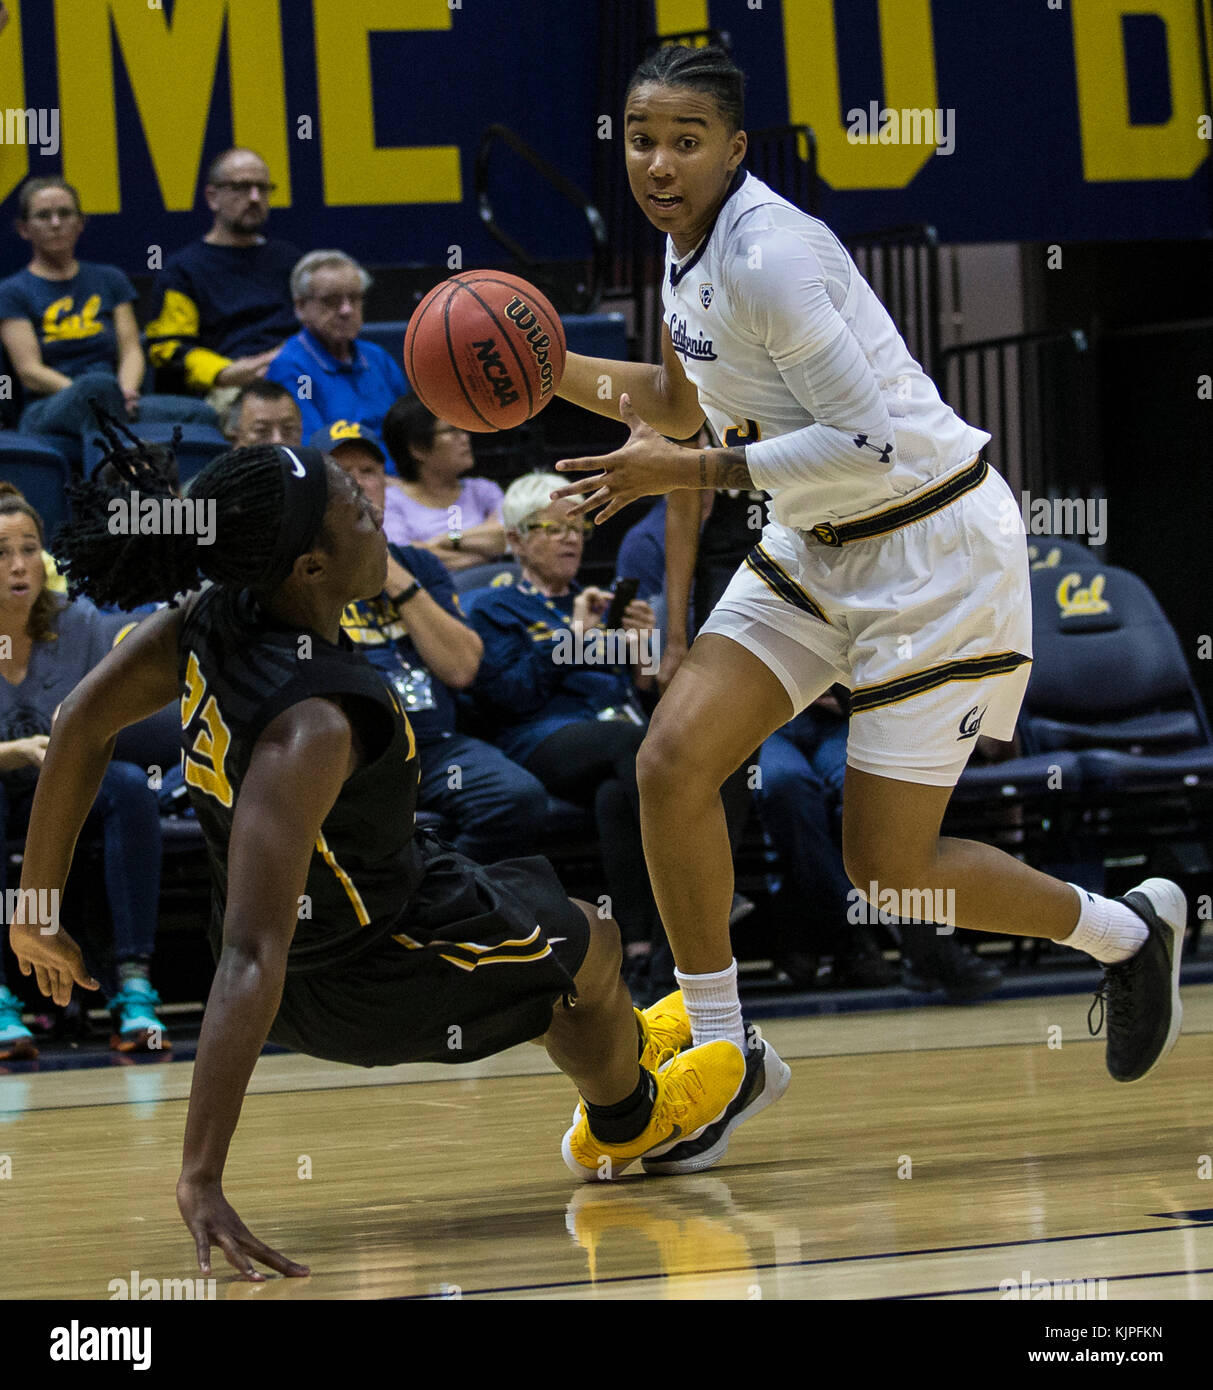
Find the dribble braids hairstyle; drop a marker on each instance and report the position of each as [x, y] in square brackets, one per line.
[708, 69]
[111, 568]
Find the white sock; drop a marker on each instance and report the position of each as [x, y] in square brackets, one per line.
[713, 1006]
[1107, 930]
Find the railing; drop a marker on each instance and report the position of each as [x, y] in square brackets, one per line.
[583, 296]
[775, 156]
[1037, 396]
[902, 266]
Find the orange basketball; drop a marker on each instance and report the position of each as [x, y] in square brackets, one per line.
[484, 350]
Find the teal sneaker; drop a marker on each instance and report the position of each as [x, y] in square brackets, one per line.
[136, 1026]
[16, 1040]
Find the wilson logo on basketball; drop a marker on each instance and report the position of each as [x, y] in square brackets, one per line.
[495, 371]
[523, 317]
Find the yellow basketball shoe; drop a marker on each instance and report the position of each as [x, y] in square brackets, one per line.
[664, 1028]
[694, 1088]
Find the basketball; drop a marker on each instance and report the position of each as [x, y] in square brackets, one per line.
[485, 351]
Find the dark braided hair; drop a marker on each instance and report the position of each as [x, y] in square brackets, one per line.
[129, 570]
[708, 69]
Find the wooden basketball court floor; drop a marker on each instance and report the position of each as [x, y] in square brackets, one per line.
[917, 1154]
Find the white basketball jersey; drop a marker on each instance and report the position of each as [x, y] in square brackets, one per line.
[786, 343]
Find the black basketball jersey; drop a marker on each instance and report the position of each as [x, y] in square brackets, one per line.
[238, 670]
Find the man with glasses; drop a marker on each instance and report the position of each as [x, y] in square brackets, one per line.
[224, 301]
[332, 373]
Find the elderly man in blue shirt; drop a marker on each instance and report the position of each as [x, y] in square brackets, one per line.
[333, 374]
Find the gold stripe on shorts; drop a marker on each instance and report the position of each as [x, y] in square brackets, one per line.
[781, 583]
[923, 504]
[969, 668]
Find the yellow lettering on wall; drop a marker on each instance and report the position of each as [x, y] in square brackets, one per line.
[172, 75]
[357, 172]
[1112, 149]
[815, 92]
[681, 16]
[14, 159]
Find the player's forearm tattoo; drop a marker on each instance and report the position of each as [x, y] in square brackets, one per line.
[727, 469]
[732, 470]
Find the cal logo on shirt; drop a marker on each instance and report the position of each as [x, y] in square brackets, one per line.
[60, 324]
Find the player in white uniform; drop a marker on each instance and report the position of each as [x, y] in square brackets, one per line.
[887, 564]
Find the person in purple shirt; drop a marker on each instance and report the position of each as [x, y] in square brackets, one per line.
[331, 372]
[456, 517]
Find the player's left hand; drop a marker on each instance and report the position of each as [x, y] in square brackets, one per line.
[54, 959]
[648, 465]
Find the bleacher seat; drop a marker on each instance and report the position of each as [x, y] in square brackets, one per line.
[33, 464]
[482, 576]
[1111, 684]
[199, 444]
[1047, 552]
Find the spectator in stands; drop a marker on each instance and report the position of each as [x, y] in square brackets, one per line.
[642, 553]
[799, 799]
[69, 326]
[818, 910]
[333, 374]
[561, 707]
[52, 645]
[456, 517]
[224, 302]
[416, 634]
[263, 413]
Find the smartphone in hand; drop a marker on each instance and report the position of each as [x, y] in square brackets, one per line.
[625, 592]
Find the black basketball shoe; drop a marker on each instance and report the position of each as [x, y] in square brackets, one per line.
[1142, 993]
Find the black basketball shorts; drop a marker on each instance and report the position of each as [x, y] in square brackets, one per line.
[473, 965]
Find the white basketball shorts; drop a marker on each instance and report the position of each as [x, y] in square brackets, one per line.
[928, 623]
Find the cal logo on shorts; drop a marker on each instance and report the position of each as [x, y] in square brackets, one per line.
[1080, 603]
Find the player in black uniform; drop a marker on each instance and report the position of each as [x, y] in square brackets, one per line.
[337, 930]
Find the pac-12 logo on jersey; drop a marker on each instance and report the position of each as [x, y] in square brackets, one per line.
[706, 293]
[971, 723]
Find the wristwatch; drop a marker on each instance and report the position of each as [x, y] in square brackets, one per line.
[454, 539]
[405, 594]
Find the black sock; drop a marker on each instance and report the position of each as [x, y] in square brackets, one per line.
[616, 1124]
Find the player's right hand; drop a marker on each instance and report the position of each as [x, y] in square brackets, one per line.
[213, 1221]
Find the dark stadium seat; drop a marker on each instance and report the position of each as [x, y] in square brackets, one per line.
[482, 576]
[199, 444]
[1111, 684]
[1047, 552]
[36, 466]
[1111, 720]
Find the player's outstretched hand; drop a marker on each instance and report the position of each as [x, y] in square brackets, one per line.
[53, 958]
[213, 1221]
[648, 465]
